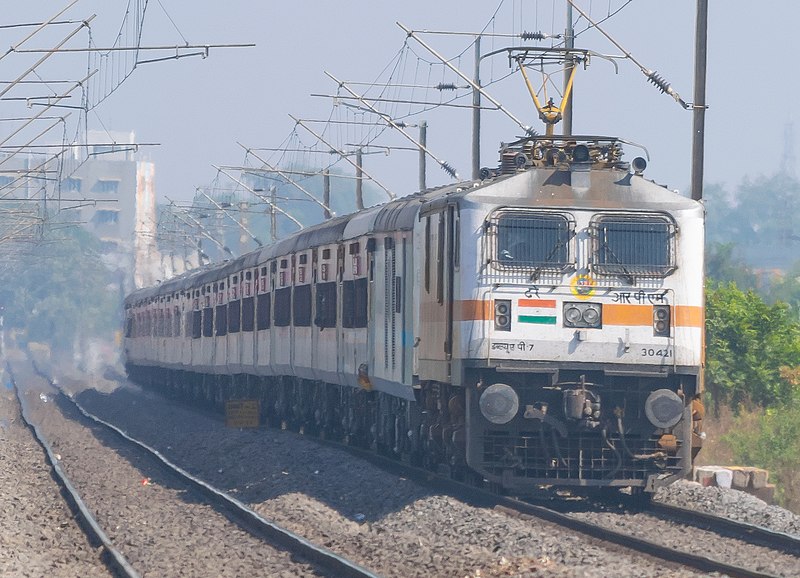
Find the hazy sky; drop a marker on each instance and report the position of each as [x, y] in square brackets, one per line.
[199, 108]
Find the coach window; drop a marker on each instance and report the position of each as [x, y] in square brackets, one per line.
[208, 322]
[302, 306]
[248, 313]
[631, 245]
[264, 311]
[234, 316]
[361, 316]
[283, 307]
[348, 303]
[325, 305]
[221, 320]
[354, 304]
[197, 324]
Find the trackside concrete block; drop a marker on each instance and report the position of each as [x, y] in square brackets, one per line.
[744, 478]
[714, 476]
[767, 493]
[741, 477]
[759, 478]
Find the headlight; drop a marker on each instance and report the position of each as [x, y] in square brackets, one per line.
[583, 314]
[499, 403]
[664, 408]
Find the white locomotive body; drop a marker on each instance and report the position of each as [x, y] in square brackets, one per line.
[540, 326]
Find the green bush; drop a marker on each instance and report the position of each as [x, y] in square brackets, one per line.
[770, 439]
[747, 344]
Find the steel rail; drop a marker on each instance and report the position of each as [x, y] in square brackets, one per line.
[237, 510]
[751, 533]
[696, 561]
[112, 558]
[480, 497]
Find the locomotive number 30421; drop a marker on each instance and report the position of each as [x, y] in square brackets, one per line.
[651, 352]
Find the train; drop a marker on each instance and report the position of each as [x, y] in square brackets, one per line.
[538, 327]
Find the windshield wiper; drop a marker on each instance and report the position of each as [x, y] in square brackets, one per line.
[538, 269]
[626, 274]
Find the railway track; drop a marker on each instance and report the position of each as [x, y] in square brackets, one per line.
[707, 562]
[280, 538]
[520, 508]
[750, 533]
[111, 557]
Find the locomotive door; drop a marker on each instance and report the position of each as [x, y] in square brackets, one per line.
[437, 296]
[445, 272]
[449, 267]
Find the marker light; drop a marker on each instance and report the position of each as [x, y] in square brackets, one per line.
[661, 320]
[502, 315]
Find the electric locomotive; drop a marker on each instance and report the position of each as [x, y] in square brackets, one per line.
[539, 326]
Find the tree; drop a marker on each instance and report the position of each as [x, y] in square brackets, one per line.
[62, 290]
[759, 218]
[748, 342]
[786, 288]
[722, 266]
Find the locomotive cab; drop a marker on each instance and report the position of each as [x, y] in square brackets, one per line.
[576, 317]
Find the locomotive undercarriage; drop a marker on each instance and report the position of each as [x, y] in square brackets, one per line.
[582, 429]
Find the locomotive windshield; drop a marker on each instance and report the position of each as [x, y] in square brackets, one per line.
[533, 240]
[633, 245]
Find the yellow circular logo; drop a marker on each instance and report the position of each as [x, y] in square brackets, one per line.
[582, 286]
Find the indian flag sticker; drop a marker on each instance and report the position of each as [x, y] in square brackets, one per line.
[540, 311]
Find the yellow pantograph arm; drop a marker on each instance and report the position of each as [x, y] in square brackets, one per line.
[564, 99]
[568, 90]
[530, 87]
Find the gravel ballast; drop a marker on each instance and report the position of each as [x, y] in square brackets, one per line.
[161, 528]
[38, 535]
[384, 522]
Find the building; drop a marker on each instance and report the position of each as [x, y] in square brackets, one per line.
[120, 204]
